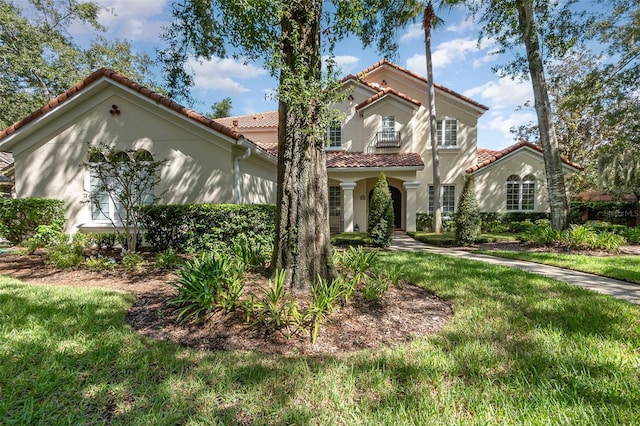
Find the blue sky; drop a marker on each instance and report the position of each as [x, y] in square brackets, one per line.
[459, 64]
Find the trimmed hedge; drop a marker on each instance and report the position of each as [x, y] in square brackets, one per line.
[191, 228]
[20, 217]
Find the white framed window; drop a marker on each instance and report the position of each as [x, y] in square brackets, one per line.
[388, 123]
[105, 207]
[521, 193]
[334, 201]
[447, 132]
[448, 198]
[334, 135]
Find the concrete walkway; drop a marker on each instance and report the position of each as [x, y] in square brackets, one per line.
[615, 288]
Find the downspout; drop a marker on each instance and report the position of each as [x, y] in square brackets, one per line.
[236, 165]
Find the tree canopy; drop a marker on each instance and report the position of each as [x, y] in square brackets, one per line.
[290, 38]
[40, 59]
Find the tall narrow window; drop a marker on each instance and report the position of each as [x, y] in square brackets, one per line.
[521, 194]
[447, 132]
[388, 133]
[334, 135]
[100, 205]
[448, 198]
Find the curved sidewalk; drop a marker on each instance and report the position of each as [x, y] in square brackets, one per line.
[615, 288]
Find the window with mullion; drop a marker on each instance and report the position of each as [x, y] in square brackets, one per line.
[447, 132]
[448, 198]
[334, 135]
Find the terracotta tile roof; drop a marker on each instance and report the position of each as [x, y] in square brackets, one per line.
[270, 147]
[381, 92]
[387, 63]
[124, 81]
[603, 196]
[261, 119]
[345, 159]
[487, 156]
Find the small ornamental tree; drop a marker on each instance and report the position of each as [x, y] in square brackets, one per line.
[121, 183]
[380, 221]
[468, 218]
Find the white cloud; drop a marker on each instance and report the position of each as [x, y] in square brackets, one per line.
[499, 127]
[462, 26]
[445, 54]
[221, 75]
[134, 19]
[346, 63]
[503, 93]
[414, 32]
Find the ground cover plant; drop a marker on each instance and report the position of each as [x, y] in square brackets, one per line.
[626, 268]
[521, 349]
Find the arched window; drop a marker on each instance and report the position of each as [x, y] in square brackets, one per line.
[146, 180]
[521, 193]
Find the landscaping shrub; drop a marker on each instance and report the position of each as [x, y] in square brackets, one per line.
[253, 254]
[21, 217]
[541, 234]
[67, 254]
[168, 259]
[207, 283]
[380, 220]
[200, 227]
[467, 219]
[102, 240]
[632, 235]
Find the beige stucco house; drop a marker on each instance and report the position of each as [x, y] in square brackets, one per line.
[206, 162]
[384, 128]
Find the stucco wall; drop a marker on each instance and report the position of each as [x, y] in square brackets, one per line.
[491, 181]
[200, 161]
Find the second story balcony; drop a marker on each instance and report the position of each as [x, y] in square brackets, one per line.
[387, 140]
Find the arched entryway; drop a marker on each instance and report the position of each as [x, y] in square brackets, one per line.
[396, 196]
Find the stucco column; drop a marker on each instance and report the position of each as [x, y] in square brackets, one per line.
[411, 187]
[347, 204]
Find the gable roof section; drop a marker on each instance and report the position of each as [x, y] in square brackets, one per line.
[128, 84]
[487, 157]
[386, 63]
[360, 160]
[249, 121]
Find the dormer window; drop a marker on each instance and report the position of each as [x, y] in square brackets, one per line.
[447, 133]
[334, 135]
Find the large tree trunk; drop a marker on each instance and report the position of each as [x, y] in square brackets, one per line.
[553, 166]
[302, 245]
[427, 21]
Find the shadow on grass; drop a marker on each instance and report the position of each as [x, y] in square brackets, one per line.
[532, 348]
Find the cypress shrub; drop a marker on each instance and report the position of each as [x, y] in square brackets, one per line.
[468, 218]
[380, 221]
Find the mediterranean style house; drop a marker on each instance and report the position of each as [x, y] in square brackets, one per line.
[384, 128]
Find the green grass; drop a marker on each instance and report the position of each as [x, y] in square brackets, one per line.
[521, 349]
[626, 268]
[350, 239]
[447, 239]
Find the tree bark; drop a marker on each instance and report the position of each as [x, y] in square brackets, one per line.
[302, 245]
[557, 193]
[427, 22]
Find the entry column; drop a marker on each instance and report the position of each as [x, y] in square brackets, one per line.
[347, 203]
[410, 188]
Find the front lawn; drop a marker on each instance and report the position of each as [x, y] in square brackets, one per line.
[448, 239]
[626, 268]
[521, 349]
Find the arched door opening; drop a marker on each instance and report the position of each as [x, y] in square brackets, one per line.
[396, 196]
